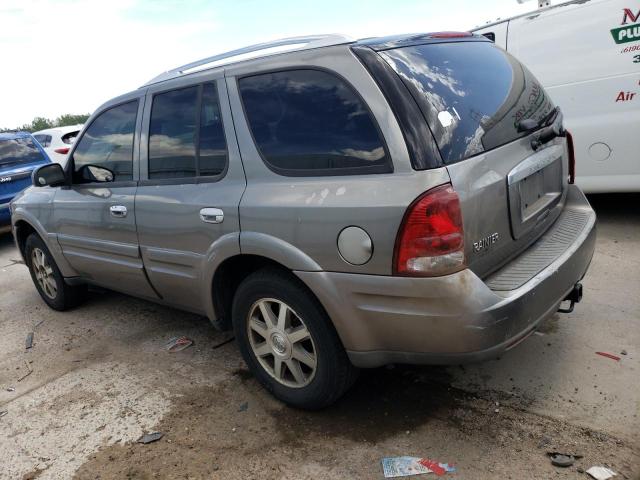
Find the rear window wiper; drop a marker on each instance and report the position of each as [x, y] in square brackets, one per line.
[551, 126]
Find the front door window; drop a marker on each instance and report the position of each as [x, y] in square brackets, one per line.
[105, 151]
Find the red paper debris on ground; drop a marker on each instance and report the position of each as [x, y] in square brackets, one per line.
[609, 355]
[433, 466]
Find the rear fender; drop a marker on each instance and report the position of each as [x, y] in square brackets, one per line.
[224, 247]
[276, 249]
[249, 243]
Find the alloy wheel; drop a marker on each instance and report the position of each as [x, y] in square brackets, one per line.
[44, 273]
[281, 342]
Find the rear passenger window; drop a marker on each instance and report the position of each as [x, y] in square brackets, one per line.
[186, 138]
[172, 134]
[311, 122]
[213, 146]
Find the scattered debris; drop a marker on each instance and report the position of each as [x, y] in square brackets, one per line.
[224, 342]
[601, 473]
[29, 372]
[544, 441]
[150, 437]
[437, 468]
[3, 413]
[29, 341]
[405, 466]
[540, 334]
[243, 407]
[563, 460]
[609, 355]
[623, 352]
[38, 324]
[177, 344]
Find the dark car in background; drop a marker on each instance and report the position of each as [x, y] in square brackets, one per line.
[20, 154]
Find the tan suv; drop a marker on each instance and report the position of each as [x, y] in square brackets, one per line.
[339, 204]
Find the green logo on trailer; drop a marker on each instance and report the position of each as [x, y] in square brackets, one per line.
[626, 34]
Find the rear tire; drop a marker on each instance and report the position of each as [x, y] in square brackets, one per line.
[288, 341]
[47, 277]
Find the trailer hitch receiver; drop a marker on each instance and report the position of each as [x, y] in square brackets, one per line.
[575, 295]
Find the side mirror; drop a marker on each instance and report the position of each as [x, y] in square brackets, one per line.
[50, 175]
[94, 173]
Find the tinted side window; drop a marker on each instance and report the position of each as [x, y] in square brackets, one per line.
[213, 146]
[310, 120]
[108, 143]
[43, 140]
[186, 139]
[172, 134]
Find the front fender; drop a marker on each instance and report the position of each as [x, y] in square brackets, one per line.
[20, 214]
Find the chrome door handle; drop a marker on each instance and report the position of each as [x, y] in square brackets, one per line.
[211, 215]
[118, 211]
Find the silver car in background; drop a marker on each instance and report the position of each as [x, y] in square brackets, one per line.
[340, 204]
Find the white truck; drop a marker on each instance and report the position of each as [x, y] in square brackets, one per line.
[586, 53]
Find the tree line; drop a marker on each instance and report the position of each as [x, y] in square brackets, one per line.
[42, 123]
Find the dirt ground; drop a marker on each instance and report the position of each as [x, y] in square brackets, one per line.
[101, 377]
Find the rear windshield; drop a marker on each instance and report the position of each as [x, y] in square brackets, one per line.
[473, 94]
[19, 150]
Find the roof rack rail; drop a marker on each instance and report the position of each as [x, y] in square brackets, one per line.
[296, 43]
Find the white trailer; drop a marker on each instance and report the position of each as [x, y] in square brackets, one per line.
[586, 53]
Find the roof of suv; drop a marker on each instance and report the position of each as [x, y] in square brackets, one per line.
[295, 44]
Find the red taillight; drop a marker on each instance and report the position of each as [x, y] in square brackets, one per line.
[572, 159]
[430, 241]
[450, 34]
[62, 150]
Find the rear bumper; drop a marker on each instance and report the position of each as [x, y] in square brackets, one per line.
[455, 318]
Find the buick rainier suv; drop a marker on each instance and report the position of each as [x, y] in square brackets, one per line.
[339, 204]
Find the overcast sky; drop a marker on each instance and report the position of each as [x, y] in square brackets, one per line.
[69, 56]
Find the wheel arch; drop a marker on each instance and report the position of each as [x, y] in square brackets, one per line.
[230, 274]
[232, 258]
[22, 230]
[25, 224]
[228, 277]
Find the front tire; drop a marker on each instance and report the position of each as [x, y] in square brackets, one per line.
[47, 277]
[288, 341]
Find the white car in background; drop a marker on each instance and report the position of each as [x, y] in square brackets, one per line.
[586, 54]
[58, 141]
